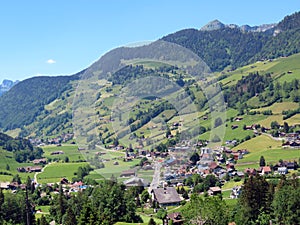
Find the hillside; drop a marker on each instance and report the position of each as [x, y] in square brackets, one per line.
[42, 106]
[225, 46]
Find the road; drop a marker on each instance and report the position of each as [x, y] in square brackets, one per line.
[35, 175]
[156, 177]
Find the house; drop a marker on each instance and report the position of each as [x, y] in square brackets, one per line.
[128, 173]
[266, 170]
[175, 217]
[29, 169]
[136, 182]
[234, 127]
[40, 161]
[57, 153]
[235, 192]
[34, 169]
[166, 196]
[214, 191]
[251, 171]
[282, 170]
[290, 165]
[4, 185]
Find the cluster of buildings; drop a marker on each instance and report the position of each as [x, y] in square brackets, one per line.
[63, 138]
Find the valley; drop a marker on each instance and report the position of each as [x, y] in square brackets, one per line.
[142, 136]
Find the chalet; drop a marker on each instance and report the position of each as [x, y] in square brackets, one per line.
[214, 191]
[128, 173]
[176, 218]
[166, 196]
[34, 169]
[4, 185]
[29, 169]
[282, 170]
[136, 182]
[251, 172]
[240, 174]
[266, 170]
[147, 167]
[237, 155]
[57, 153]
[234, 127]
[290, 165]
[214, 167]
[40, 161]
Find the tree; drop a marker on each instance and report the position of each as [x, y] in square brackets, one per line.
[274, 125]
[286, 205]
[1, 202]
[218, 122]
[209, 210]
[161, 214]
[7, 167]
[195, 158]
[286, 127]
[262, 161]
[70, 218]
[151, 222]
[145, 196]
[253, 200]
[17, 179]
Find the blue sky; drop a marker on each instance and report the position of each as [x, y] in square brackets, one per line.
[62, 37]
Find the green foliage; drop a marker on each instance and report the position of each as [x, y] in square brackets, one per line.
[151, 222]
[246, 88]
[22, 148]
[25, 101]
[262, 161]
[254, 198]
[211, 210]
[286, 204]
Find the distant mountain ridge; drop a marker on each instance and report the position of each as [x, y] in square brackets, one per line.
[7, 85]
[221, 46]
[216, 25]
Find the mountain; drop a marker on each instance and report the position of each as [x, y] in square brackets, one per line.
[6, 85]
[21, 105]
[217, 25]
[42, 106]
[222, 45]
[213, 25]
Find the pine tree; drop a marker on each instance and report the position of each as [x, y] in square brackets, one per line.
[70, 218]
[262, 161]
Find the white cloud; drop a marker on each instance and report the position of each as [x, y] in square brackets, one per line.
[50, 61]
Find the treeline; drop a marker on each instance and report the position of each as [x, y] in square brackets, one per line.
[22, 148]
[106, 203]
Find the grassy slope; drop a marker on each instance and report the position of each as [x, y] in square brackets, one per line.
[264, 146]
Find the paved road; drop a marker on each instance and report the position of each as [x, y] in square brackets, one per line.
[35, 175]
[156, 177]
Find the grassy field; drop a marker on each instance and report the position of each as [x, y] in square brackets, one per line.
[70, 151]
[55, 171]
[264, 146]
[278, 107]
[257, 144]
[7, 158]
[111, 169]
